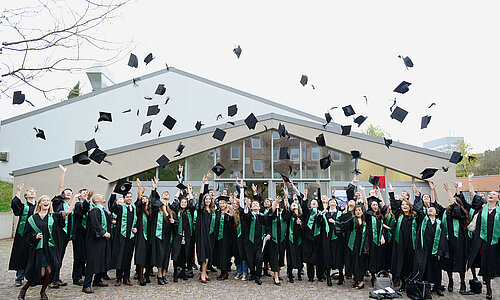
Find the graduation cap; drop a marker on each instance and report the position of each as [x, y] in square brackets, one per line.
[198, 125]
[372, 199]
[324, 163]
[348, 110]
[40, 133]
[303, 80]
[359, 120]
[146, 127]
[223, 198]
[320, 139]
[169, 122]
[355, 154]
[219, 134]
[237, 51]
[425, 121]
[356, 171]
[232, 110]
[218, 169]
[104, 116]
[98, 155]
[346, 130]
[445, 169]
[122, 187]
[251, 121]
[374, 180]
[407, 61]
[102, 177]
[285, 178]
[81, 158]
[284, 153]
[20, 98]
[456, 157]
[387, 142]
[402, 87]
[281, 130]
[162, 161]
[181, 186]
[132, 61]
[328, 118]
[399, 114]
[428, 173]
[471, 158]
[153, 110]
[179, 149]
[148, 58]
[160, 89]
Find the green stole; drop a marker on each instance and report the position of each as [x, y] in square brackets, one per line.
[238, 229]
[86, 215]
[471, 216]
[496, 225]
[179, 216]
[275, 229]
[290, 232]
[145, 226]
[334, 235]
[50, 222]
[352, 237]
[22, 220]
[212, 223]
[66, 222]
[159, 225]
[455, 225]
[413, 228]
[104, 221]
[123, 229]
[437, 235]
[376, 237]
[251, 233]
[310, 222]
[221, 226]
[389, 222]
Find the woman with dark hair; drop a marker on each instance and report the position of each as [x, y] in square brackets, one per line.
[142, 255]
[293, 217]
[356, 236]
[336, 245]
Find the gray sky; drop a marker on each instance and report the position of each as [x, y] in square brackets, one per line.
[348, 49]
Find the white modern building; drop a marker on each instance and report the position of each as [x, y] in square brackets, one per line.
[445, 144]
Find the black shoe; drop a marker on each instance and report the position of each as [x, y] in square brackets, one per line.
[160, 281]
[290, 278]
[450, 286]
[190, 274]
[439, 293]
[276, 283]
[463, 287]
[251, 277]
[311, 279]
[320, 280]
[106, 277]
[164, 278]
[147, 279]
[258, 281]
[78, 282]
[176, 278]
[212, 269]
[267, 274]
[299, 276]
[489, 297]
[328, 280]
[136, 276]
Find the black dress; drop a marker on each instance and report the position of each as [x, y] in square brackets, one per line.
[277, 242]
[20, 250]
[124, 240]
[455, 232]
[98, 248]
[335, 257]
[143, 237]
[357, 246]
[80, 227]
[222, 234]
[374, 232]
[161, 233]
[293, 240]
[204, 230]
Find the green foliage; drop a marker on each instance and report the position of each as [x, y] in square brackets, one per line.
[75, 92]
[488, 163]
[376, 131]
[5, 196]
[465, 166]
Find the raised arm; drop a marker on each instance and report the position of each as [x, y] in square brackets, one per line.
[471, 186]
[61, 179]
[432, 186]
[450, 195]
[242, 194]
[16, 204]
[351, 188]
[363, 196]
[71, 207]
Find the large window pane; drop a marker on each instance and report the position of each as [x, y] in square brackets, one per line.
[258, 156]
[144, 176]
[367, 168]
[395, 176]
[231, 157]
[342, 166]
[284, 165]
[199, 164]
[311, 154]
[169, 173]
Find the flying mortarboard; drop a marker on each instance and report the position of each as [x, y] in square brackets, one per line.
[162, 161]
[428, 173]
[359, 120]
[232, 110]
[146, 127]
[282, 130]
[348, 110]
[399, 114]
[346, 130]
[303, 80]
[456, 157]
[284, 153]
[169, 122]
[407, 61]
[148, 58]
[425, 121]
[237, 51]
[104, 116]
[219, 134]
[198, 125]
[328, 117]
[251, 121]
[218, 169]
[324, 163]
[102, 177]
[179, 149]
[160, 89]
[98, 155]
[40, 133]
[285, 178]
[181, 186]
[402, 87]
[153, 110]
[122, 187]
[387, 142]
[81, 158]
[374, 180]
[20, 98]
[355, 154]
[320, 139]
[132, 61]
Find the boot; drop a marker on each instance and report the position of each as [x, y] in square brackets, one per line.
[290, 276]
[328, 279]
[22, 292]
[341, 279]
[299, 276]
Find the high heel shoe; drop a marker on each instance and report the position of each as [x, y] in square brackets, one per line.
[359, 287]
[276, 283]
[160, 280]
[489, 296]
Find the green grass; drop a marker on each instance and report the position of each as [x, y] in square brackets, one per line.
[5, 196]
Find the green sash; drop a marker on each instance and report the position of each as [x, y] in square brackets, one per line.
[413, 229]
[86, 215]
[471, 216]
[50, 222]
[376, 238]
[145, 226]
[251, 233]
[212, 224]
[389, 222]
[290, 232]
[437, 235]
[123, 229]
[238, 229]
[327, 226]
[275, 229]
[496, 225]
[310, 221]
[159, 225]
[352, 238]
[179, 216]
[455, 225]
[22, 220]
[221, 227]
[66, 221]
[104, 221]
[334, 235]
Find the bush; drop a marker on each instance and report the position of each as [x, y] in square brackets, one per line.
[5, 196]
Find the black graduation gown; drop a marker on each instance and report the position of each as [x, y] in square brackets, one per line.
[335, 256]
[253, 248]
[79, 230]
[238, 241]
[143, 236]
[188, 232]
[457, 247]
[98, 248]
[204, 239]
[376, 261]
[390, 221]
[20, 250]
[160, 247]
[122, 245]
[358, 257]
[293, 240]
[277, 243]
[222, 247]
[312, 246]
[35, 256]
[64, 234]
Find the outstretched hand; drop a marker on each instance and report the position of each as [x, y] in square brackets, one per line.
[20, 186]
[64, 169]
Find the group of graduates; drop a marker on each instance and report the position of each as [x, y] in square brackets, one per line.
[358, 238]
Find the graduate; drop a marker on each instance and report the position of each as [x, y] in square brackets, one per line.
[97, 245]
[293, 217]
[80, 215]
[430, 200]
[20, 249]
[478, 200]
[39, 234]
[358, 246]
[277, 243]
[224, 223]
[335, 241]
[240, 231]
[142, 255]
[162, 225]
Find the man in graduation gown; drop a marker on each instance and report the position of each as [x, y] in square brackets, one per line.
[98, 245]
[20, 249]
[124, 241]
[80, 215]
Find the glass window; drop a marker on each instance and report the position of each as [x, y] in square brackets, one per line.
[258, 159]
[311, 154]
[336, 156]
[276, 155]
[224, 156]
[337, 175]
[395, 176]
[169, 173]
[144, 176]
[256, 143]
[257, 165]
[342, 166]
[367, 168]
[235, 152]
[199, 164]
[294, 154]
[315, 153]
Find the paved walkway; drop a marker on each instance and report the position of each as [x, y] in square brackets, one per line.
[193, 289]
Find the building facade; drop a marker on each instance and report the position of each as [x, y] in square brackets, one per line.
[445, 144]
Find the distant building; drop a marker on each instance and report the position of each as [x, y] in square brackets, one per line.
[481, 184]
[445, 144]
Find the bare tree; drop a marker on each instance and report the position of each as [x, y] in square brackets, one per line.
[50, 36]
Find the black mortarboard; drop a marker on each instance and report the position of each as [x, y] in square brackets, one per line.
[132, 61]
[402, 87]
[146, 127]
[198, 125]
[399, 114]
[425, 121]
[82, 158]
[219, 134]
[251, 121]
[181, 186]
[40, 133]
[374, 180]
[285, 179]
[281, 130]
[320, 139]
[471, 158]
[18, 97]
[328, 117]
[359, 120]
[348, 110]
[180, 148]
[237, 51]
[284, 153]
[148, 58]
[162, 161]
[303, 80]
[355, 154]
[102, 177]
[122, 187]
[456, 157]
[223, 198]
[372, 199]
[232, 110]
[428, 173]
[104, 116]
[388, 142]
[161, 89]
[324, 163]
[218, 169]
[98, 155]
[153, 110]
[407, 61]
[91, 144]
[346, 130]
[169, 122]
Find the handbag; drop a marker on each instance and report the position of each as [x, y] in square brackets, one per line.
[382, 280]
[472, 225]
[475, 286]
[417, 289]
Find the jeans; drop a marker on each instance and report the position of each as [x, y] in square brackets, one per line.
[88, 279]
[242, 268]
[19, 274]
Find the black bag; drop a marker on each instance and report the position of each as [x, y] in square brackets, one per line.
[416, 289]
[387, 293]
[475, 286]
